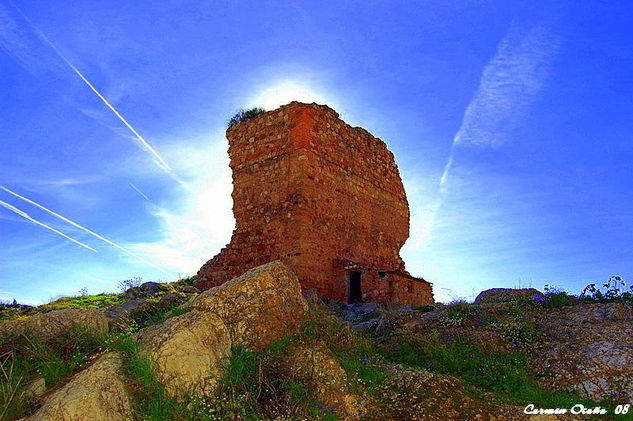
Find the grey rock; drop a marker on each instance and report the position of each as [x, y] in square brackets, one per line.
[367, 325]
[150, 288]
[120, 315]
[170, 299]
[134, 292]
[135, 306]
[188, 289]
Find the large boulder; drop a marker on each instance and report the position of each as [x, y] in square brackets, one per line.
[497, 295]
[44, 326]
[96, 393]
[189, 351]
[263, 304]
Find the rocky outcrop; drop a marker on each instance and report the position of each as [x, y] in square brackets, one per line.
[263, 304]
[96, 393]
[587, 348]
[189, 351]
[496, 295]
[47, 325]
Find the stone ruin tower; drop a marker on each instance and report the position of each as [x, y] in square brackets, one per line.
[323, 197]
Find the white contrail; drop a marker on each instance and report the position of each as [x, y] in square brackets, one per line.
[508, 86]
[139, 191]
[41, 224]
[144, 143]
[94, 234]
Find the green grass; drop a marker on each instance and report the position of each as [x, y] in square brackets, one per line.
[240, 386]
[150, 397]
[424, 308]
[99, 302]
[154, 315]
[355, 351]
[253, 383]
[24, 359]
[505, 373]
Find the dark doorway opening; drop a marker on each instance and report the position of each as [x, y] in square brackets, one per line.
[355, 295]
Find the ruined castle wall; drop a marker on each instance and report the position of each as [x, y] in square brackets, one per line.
[311, 190]
[265, 197]
[355, 206]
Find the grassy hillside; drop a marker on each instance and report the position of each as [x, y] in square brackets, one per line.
[461, 359]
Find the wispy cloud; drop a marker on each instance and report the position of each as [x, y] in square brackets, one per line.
[508, 86]
[94, 234]
[43, 225]
[195, 226]
[22, 45]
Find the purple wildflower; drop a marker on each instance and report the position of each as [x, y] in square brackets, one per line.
[365, 361]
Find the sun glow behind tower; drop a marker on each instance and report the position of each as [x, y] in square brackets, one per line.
[287, 91]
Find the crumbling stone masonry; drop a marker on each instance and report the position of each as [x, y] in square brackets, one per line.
[323, 197]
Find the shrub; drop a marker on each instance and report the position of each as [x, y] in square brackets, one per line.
[244, 115]
[614, 290]
[260, 384]
[130, 283]
[554, 298]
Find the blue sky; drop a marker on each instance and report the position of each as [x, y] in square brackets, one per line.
[511, 123]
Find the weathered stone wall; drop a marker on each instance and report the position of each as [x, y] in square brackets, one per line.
[314, 192]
